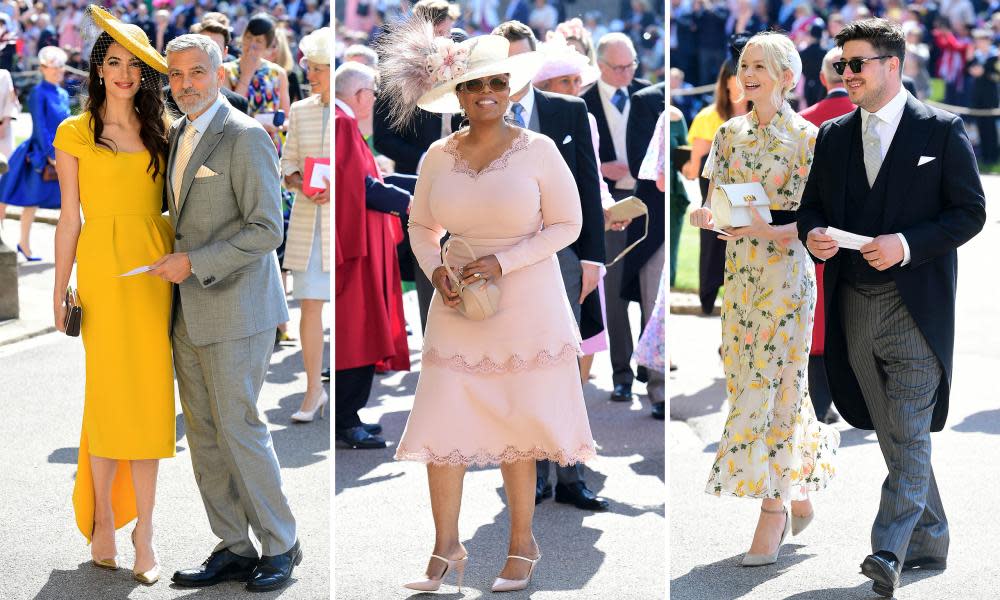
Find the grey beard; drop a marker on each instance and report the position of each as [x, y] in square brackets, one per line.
[188, 109]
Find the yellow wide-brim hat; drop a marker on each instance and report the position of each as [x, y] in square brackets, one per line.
[480, 56]
[131, 37]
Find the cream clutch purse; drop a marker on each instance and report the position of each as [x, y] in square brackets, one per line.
[731, 204]
[480, 299]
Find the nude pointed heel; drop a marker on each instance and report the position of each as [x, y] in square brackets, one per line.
[513, 585]
[432, 585]
[147, 577]
[759, 560]
[800, 523]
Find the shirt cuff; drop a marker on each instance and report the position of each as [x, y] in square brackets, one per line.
[591, 262]
[906, 250]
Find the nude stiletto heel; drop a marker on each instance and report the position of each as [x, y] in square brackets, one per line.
[432, 585]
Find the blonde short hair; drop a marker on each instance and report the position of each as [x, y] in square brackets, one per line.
[780, 55]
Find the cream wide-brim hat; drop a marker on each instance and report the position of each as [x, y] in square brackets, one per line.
[487, 56]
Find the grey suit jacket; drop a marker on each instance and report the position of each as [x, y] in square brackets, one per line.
[229, 224]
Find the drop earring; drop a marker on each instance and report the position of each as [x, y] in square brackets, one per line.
[102, 81]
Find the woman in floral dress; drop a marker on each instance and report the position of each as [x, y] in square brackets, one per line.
[772, 447]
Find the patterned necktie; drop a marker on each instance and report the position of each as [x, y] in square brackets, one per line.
[181, 159]
[619, 100]
[873, 149]
[517, 109]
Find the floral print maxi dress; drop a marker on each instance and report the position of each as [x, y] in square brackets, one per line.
[772, 445]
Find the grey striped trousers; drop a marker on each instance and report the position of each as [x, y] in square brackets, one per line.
[899, 375]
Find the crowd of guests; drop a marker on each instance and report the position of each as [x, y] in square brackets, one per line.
[266, 77]
[954, 41]
[607, 123]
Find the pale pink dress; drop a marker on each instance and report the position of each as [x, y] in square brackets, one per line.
[506, 388]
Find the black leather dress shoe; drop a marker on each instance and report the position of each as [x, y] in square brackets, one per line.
[218, 567]
[359, 439]
[659, 411]
[579, 496]
[372, 428]
[883, 569]
[542, 491]
[273, 572]
[929, 563]
[622, 393]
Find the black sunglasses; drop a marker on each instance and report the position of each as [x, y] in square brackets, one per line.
[856, 64]
[477, 86]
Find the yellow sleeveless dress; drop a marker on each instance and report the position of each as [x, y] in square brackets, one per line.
[129, 401]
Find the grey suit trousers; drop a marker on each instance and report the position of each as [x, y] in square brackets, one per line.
[899, 375]
[616, 308]
[572, 274]
[231, 451]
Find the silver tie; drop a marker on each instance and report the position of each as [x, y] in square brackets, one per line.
[873, 149]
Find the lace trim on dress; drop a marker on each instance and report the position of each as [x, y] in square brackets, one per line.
[484, 458]
[462, 166]
[515, 364]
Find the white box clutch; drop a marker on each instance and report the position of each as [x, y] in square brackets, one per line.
[731, 204]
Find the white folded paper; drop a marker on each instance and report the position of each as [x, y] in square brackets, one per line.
[845, 239]
[319, 172]
[136, 271]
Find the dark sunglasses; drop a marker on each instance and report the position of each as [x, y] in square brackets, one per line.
[856, 64]
[477, 86]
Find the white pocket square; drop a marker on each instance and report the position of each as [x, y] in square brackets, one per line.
[924, 160]
[567, 139]
[204, 171]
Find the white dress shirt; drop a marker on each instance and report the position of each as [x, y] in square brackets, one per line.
[527, 103]
[201, 124]
[889, 117]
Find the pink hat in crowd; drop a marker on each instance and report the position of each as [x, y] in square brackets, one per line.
[560, 59]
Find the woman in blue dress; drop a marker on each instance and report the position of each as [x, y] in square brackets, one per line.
[25, 184]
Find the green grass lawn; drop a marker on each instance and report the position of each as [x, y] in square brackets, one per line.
[687, 260]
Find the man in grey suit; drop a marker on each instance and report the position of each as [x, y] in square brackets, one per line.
[222, 190]
[904, 174]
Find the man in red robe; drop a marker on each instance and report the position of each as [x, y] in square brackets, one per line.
[369, 297]
[835, 104]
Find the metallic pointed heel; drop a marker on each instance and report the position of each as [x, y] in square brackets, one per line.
[110, 564]
[760, 560]
[147, 577]
[432, 585]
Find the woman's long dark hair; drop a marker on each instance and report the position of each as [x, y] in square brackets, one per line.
[148, 103]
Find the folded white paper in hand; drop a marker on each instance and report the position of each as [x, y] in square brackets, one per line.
[845, 239]
[319, 172]
[136, 271]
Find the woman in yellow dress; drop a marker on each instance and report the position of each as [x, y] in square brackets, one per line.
[111, 161]
[772, 448]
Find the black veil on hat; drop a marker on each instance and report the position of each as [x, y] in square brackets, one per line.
[100, 29]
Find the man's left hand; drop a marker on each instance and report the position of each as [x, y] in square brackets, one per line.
[591, 277]
[175, 268]
[883, 252]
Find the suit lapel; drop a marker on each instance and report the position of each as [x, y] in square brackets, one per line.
[168, 189]
[209, 140]
[908, 144]
[850, 132]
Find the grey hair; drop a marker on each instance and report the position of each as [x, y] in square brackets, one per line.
[366, 55]
[835, 54]
[204, 43]
[613, 38]
[351, 77]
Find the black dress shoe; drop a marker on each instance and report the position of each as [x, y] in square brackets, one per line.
[325, 374]
[359, 439]
[659, 411]
[883, 569]
[372, 428]
[542, 491]
[273, 572]
[622, 393]
[928, 563]
[218, 567]
[579, 496]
